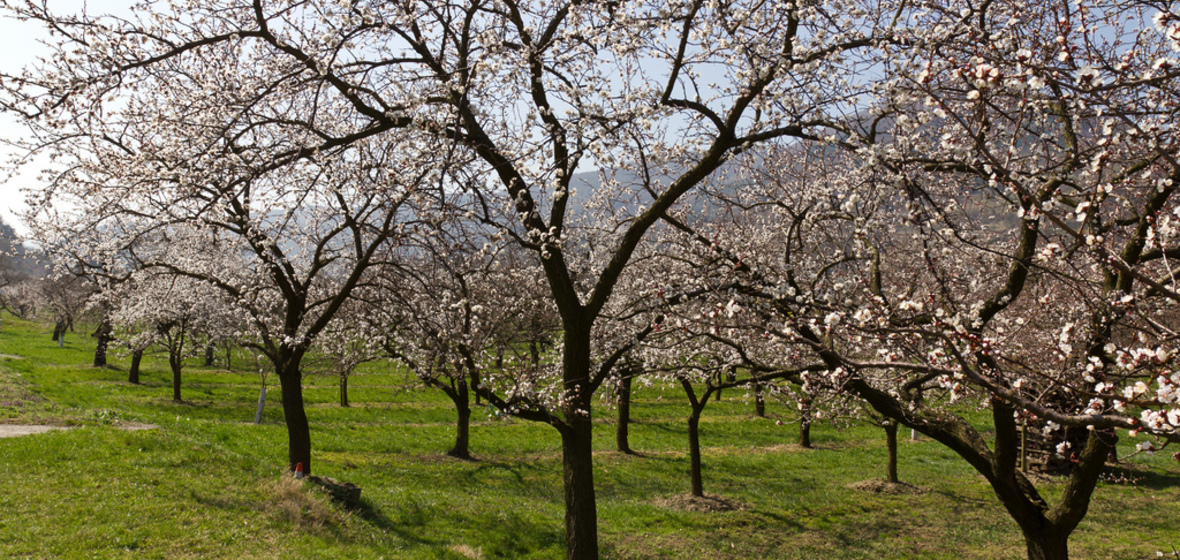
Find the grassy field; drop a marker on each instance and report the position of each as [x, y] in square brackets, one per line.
[208, 483]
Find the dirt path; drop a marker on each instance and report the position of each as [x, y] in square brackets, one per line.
[14, 430]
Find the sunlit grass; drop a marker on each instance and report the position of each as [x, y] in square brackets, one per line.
[208, 483]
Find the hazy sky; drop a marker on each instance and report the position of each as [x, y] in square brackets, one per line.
[19, 43]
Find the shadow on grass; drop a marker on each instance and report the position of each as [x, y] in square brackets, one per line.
[371, 514]
[484, 466]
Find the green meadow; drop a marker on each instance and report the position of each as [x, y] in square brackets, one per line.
[206, 482]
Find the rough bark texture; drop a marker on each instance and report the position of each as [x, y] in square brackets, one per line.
[344, 389]
[581, 511]
[577, 460]
[622, 443]
[1047, 545]
[298, 432]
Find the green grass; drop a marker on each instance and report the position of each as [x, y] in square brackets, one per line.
[209, 484]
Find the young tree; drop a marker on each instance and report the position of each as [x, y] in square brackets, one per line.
[172, 311]
[285, 249]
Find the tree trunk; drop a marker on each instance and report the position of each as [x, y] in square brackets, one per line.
[209, 355]
[577, 458]
[694, 453]
[891, 443]
[1046, 533]
[298, 432]
[622, 444]
[805, 424]
[100, 353]
[1047, 544]
[461, 397]
[133, 371]
[344, 389]
[759, 401]
[261, 405]
[581, 511]
[103, 336]
[176, 364]
[59, 328]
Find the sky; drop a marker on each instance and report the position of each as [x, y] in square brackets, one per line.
[19, 41]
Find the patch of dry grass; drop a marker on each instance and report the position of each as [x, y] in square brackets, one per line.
[468, 552]
[302, 505]
[708, 503]
[878, 486]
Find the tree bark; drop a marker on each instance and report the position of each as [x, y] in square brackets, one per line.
[694, 453]
[175, 362]
[805, 424]
[577, 458]
[59, 328]
[581, 510]
[1047, 544]
[133, 371]
[344, 389]
[209, 355]
[694, 435]
[891, 444]
[622, 443]
[461, 397]
[103, 336]
[298, 432]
